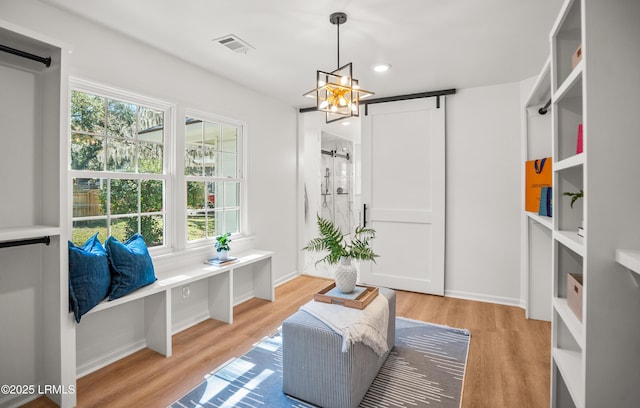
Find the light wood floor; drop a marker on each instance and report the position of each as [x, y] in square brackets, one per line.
[508, 363]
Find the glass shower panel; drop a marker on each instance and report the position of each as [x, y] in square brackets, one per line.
[336, 182]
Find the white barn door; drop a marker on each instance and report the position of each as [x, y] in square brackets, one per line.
[403, 188]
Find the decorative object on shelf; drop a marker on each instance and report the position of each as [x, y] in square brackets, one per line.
[218, 261]
[538, 174]
[332, 239]
[545, 201]
[574, 293]
[339, 190]
[577, 57]
[337, 93]
[579, 144]
[222, 246]
[574, 196]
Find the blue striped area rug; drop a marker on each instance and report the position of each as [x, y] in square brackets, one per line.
[425, 369]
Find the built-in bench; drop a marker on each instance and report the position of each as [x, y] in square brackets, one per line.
[157, 296]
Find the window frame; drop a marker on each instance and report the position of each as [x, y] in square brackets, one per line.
[241, 162]
[168, 162]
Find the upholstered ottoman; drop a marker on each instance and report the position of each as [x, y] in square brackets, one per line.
[316, 370]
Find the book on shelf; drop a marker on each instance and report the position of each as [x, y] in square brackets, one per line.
[218, 262]
[580, 140]
[545, 202]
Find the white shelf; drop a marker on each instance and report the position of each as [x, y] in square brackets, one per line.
[546, 222]
[185, 275]
[570, 366]
[629, 258]
[571, 240]
[27, 232]
[541, 91]
[156, 298]
[572, 85]
[570, 320]
[569, 162]
[607, 168]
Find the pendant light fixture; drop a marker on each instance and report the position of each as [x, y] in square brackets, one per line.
[338, 93]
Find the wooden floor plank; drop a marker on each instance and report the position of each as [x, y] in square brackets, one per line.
[508, 362]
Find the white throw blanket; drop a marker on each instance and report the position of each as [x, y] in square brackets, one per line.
[368, 325]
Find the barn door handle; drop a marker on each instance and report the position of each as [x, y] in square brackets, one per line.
[364, 215]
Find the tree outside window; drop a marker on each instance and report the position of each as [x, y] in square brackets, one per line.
[117, 157]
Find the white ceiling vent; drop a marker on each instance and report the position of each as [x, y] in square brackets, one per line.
[234, 43]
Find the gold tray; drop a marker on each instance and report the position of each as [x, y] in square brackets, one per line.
[360, 302]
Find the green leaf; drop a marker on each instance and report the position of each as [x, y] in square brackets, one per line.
[332, 240]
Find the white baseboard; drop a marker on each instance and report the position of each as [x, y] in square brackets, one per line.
[483, 298]
[187, 323]
[106, 359]
[243, 297]
[286, 278]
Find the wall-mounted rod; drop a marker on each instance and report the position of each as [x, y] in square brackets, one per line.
[545, 108]
[20, 242]
[406, 97]
[368, 102]
[46, 61]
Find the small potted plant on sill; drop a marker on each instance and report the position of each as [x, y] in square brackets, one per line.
[222, 246]
[340, 250]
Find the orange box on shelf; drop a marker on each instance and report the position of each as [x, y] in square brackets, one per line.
[574, 293]
[577, 56]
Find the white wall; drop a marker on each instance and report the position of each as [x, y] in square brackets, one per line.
[104, 56]
[482, 260]
[483, 194]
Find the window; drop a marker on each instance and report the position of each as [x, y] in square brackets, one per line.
[213, 179]
[118, 167]
[126, 168]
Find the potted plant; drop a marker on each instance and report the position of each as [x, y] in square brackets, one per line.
[574, 198]
[340, 250]
[222, 246]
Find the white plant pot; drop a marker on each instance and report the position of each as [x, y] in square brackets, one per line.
[223, 255]
[346, 275]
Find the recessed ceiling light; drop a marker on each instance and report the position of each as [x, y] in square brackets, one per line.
[381, 67]
[346, 123]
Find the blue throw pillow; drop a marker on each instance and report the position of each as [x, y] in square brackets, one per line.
[131, 266]
[89, 277]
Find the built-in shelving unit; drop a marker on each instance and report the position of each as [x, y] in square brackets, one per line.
[536, 229]
[27, 232]
[591, 361]
[630, 259]
[37, 345]
[157, 304]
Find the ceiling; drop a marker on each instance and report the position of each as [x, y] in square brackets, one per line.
[431, 44]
